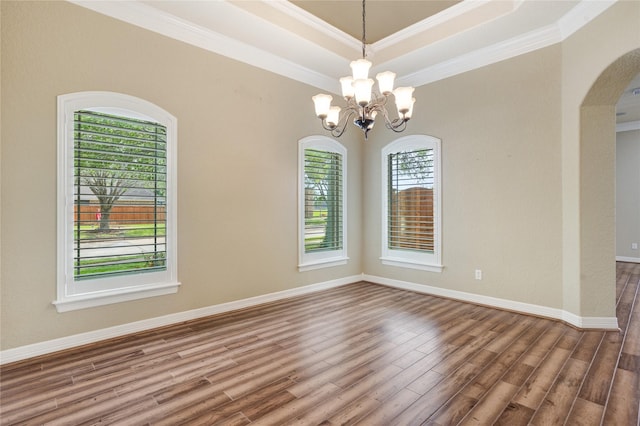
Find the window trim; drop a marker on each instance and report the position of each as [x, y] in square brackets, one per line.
[70, 296]
[329, 258]
[408, 258]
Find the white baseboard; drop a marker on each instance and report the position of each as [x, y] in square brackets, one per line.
[627, 259]
[606, 323]
[50, 346]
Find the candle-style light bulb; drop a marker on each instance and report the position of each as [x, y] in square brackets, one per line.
[385, 82]
[322, 104]
[347, 87]
[403, 97]
[360, 69]
[333, 116]
[362, 88]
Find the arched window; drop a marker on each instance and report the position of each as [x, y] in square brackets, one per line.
[322, 206]
[116, 200]
[411, 209]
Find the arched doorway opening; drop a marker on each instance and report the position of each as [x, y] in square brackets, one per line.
[597, 184]
[628, 174]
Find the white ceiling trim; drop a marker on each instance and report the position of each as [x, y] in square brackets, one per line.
[482, 8]
[482, 57]
[628, 126]
[314, 22]
[579, 16]
[585, 12]
[152, 19]
[320, 66]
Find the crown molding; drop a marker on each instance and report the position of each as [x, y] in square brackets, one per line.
[447, 15]
[583, 13]
[318, 57]
[150, 18]
[628, 126]
[482, 57]
[312, 21]
[460, 17]
[540, 38]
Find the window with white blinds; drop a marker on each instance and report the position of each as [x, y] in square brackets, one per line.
[411, 206]
[116, 200]
[323, 200]
[410, 218]
[120, 186]
[322, 203]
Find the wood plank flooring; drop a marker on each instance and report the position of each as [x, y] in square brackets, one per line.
[359, 354]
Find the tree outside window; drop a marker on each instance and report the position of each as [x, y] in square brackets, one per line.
[321, 220]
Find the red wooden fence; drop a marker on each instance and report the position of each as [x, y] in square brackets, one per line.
[412, 216]
[121, 214]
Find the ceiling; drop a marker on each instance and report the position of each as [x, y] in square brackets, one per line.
[346, 15]
[313, 41]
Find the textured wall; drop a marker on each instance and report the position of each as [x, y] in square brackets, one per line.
[501, 199]
[598, 62]
[514, 169]
[628, 193]
[238, 128]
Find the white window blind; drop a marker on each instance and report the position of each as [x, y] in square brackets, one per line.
[120, 178]
[411, 207]
[323, 200]
[322, 236]
[117, 197]
[410, 200]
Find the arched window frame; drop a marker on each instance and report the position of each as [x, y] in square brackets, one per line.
[328, 258]
[79, 294]
[415, 259]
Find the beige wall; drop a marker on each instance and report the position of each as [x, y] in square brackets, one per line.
[237, 170]
[513, 169]
[628, 193]
[527, 193]
[596, 67]
[501, 205]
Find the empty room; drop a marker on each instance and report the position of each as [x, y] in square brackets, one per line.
[311, 212]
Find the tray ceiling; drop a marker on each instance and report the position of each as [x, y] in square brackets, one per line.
[314, 41]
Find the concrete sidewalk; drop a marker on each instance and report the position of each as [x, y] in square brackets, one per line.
[129, 246]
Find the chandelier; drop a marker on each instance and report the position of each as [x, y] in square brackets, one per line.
[363, 102]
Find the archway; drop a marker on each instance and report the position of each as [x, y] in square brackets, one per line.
[597, 185]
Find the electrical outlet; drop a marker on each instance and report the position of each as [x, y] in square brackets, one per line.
[634, 246]
[478, 274]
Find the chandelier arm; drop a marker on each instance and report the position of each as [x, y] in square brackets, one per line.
[398, 124]
[347, 113]
[378, 99]
[341, 126]
[398, 127]
[381, 108]
[377, 105]
[336, 133]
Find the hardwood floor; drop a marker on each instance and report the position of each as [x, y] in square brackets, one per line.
[359, 354]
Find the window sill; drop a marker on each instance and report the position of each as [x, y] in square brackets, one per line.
[324, 263]
[90, 300]
[404, 263]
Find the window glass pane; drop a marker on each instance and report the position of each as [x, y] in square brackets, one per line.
[323, 201]
[120, 176]
[410, 200]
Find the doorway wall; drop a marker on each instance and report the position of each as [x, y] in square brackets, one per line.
[589, 173]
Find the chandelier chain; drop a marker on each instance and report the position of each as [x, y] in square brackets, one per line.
[364, 30]
[363, 102]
